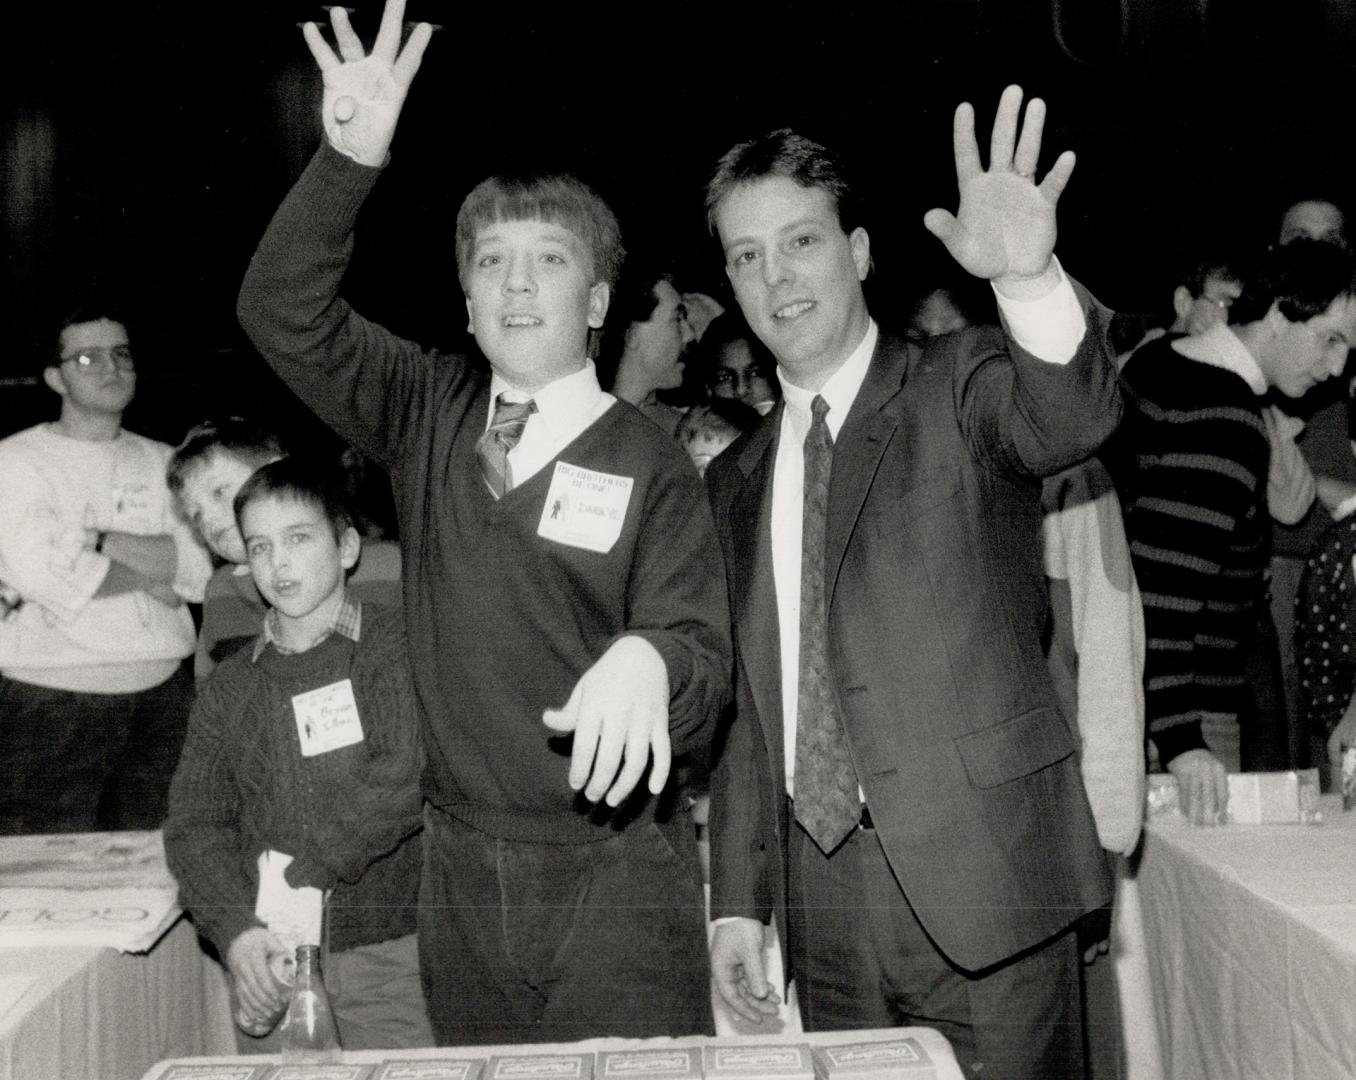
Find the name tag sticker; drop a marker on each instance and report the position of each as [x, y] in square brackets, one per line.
[327, 718]
[584, 508]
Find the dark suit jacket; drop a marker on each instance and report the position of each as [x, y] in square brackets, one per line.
[937, 609]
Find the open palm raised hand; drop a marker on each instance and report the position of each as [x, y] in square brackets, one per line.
[1004, 229]
[364, 92]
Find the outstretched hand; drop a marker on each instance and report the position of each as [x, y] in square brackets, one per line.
[364, 93]
[1004, 229]
[619, 714]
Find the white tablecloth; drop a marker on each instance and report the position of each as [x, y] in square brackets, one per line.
[1250, 935]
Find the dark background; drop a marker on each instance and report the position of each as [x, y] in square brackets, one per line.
[146, 144]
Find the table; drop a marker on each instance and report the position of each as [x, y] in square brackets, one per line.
[1250, 934]
[75, 1010]
[933, 1042]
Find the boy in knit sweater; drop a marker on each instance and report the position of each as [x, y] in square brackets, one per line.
[300, 777]
[564, 596]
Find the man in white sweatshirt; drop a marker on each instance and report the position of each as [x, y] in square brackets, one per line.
[94, 696]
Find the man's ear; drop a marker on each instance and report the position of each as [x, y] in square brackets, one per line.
[350, 547]
[600, 296]
[860, 245]
[470, 318]
[1182, 301]
[53, 378]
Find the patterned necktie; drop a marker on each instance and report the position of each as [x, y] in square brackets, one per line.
[492, 448]
[827, 803]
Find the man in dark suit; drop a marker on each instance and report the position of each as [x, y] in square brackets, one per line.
[898, 785]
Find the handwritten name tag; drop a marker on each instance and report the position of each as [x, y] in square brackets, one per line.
[584, 508]
[327, 718]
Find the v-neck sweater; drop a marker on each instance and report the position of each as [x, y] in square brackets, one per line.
[502, 620]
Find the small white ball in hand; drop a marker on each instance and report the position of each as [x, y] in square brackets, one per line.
[344, 108]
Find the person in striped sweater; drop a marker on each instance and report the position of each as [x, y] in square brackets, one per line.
[1191, 461]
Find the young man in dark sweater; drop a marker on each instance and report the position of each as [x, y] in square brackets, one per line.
[564, 593]
[1191, 461]
[299, 779]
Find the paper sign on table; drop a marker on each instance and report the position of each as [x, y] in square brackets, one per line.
[540, 1067]
[430, 1069]
[214, 1072]
[904, 1058]
[672, 1063]
[767, 1061]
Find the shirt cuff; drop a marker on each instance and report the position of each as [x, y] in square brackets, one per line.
[1050, 328]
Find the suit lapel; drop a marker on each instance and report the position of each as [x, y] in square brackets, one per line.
[870, 425]
[755, 598]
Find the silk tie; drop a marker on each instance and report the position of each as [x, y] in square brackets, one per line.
[492, 448]
[826, 797]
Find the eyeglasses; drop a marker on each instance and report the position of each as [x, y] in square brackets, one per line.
[120, 356]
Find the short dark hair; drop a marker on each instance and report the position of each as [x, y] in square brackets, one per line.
[299, 480]
[786, 153]
[724, 330]
[233, 435]
[1220, 266]
[1302, 278]
[634, 301]
[559, 198]
[85, 312]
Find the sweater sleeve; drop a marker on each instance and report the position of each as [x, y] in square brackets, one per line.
[203, 844]
[1189, 504]
[384, 802]
[355, 375]
[44, 555]
[676, 601]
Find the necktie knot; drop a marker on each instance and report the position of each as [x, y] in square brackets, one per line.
[492, 448]
[819, 408]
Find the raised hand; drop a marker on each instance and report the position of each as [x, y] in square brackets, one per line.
[364, 93]
[1004, 229]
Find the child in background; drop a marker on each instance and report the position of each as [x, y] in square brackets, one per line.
[300, 776]
[207, 470]
[707, 429]
[205, 473]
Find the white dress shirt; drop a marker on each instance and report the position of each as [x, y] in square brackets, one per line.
[565, 408]
[1051, 328]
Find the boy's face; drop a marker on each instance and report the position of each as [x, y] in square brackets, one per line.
[531, 299]
[704, 440]
[208, 498]
[297, 563]
[739, 375]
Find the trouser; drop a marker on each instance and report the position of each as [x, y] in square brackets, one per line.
[80, 762]
[861, 959]
[526, 942]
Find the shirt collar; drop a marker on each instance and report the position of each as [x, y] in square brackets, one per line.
[841, 389]
[1220, 347]
[569, 396]
[348, 622]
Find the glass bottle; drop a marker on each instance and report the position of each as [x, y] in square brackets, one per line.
[308, 1032]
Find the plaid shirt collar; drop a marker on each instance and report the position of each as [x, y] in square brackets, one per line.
[348, 621]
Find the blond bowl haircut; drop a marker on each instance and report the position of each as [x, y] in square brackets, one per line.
[557, 198]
